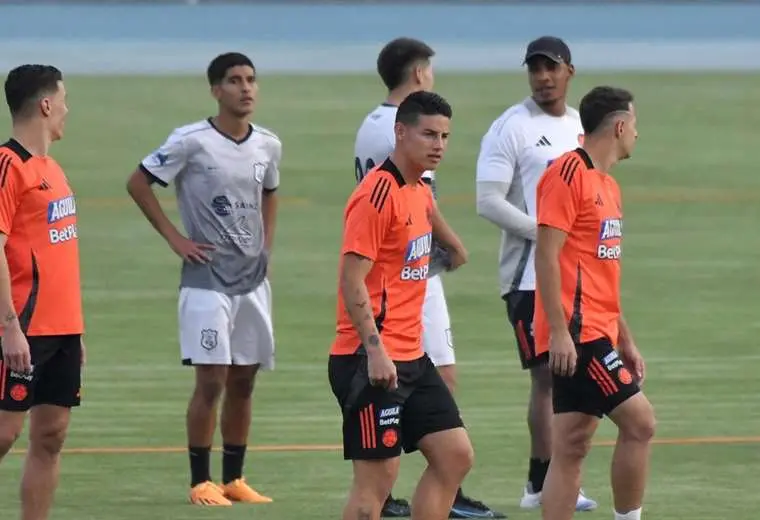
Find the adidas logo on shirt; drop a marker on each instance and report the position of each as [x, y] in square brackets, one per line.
[543, 141]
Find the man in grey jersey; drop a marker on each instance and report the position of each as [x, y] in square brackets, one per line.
[225, 171]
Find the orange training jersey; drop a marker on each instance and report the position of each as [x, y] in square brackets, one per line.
[389, 222]
[38, 215]
[585, 203]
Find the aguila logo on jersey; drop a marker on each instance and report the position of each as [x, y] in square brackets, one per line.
[61, 208]
[418, 248]
[611, 229]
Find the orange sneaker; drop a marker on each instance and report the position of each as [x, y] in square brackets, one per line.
[239, 491]
[208, 494]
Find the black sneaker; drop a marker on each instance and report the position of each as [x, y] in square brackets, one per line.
[466, 507]
[396, 508]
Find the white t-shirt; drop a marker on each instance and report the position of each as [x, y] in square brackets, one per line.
[515, 151]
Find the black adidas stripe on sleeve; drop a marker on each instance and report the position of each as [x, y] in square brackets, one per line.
[569, 167]
[5, 163]
[380, 193]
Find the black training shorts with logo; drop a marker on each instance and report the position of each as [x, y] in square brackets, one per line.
[55, 378]
[377, 423]
[600, 383]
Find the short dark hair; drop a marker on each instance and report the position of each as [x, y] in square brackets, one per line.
[422, 103]
[397, 57]
[219, 66]
[601, 102]
[28, 83]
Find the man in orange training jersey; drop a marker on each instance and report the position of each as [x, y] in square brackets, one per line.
[40, 298]
[597, 368]
[390, 393]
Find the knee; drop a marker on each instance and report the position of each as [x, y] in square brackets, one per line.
[457, 463]
[208, 391]
[47, 442]
[373, 482]
[9, 434]
[642, 429]
[573, 445]
[240, 386]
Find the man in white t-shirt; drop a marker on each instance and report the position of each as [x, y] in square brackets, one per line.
[514, 153]
[404, 67]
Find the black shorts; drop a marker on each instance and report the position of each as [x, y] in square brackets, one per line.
[378, 423]
[520, 306]
[600, 382]
[55, 378]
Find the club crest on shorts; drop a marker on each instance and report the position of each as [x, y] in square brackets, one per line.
[209, 339]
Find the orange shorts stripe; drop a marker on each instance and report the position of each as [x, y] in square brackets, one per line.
[602, 378]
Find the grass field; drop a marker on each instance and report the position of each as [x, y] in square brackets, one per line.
[690, 282]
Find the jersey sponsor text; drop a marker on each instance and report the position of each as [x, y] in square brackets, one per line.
[418, 248]
[61, 208]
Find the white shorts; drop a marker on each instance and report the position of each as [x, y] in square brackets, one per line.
[437, 340]
[216, 329]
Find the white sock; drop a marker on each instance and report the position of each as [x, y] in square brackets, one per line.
[630, 515]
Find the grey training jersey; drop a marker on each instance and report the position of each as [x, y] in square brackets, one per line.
[219, 184]
[375, 141]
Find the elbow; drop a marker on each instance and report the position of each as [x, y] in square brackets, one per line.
[135, 183]
[484, 208]
[347, 282]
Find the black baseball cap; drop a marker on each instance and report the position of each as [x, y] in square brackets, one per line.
[553, 48]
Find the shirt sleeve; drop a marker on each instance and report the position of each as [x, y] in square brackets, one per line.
[272, 176]
[499, 150]
[168, 161]
[11, 189]
[368, 219]
[559, 194]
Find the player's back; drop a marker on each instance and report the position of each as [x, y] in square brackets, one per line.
[375, 139]
[389, 222]
[38, 215]
[585, 203]
[517, 148]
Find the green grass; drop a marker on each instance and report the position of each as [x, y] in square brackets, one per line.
[690, 279]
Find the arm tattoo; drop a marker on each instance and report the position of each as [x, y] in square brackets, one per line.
[9, 317]
[373, 341]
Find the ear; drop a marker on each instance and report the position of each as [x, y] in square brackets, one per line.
[400, 130]
[419, 73]
[571, 70]
[46, 107]
[619, 128]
